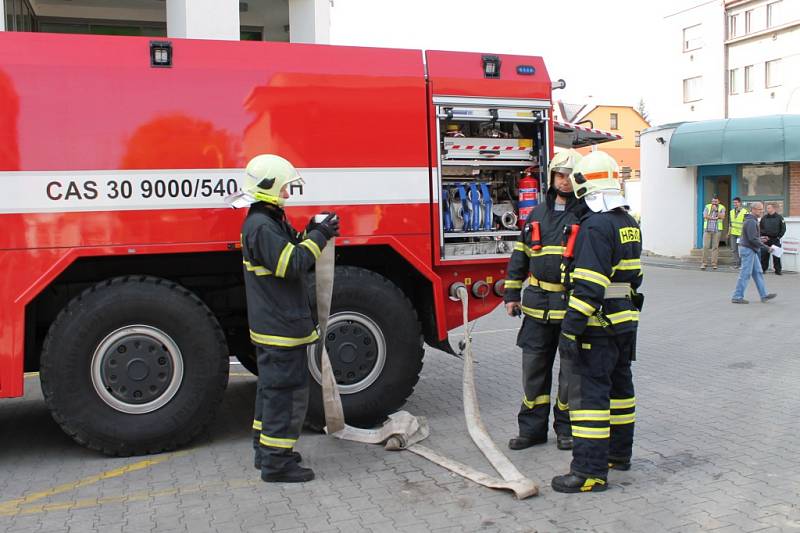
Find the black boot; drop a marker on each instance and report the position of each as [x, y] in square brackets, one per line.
[574, 483]
[619, 464]
[564, 442]
[293, 473]
[521, 442]
[295, 455]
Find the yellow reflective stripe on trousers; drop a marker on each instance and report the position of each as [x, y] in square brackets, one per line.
[562, 406]
[591, 433]
[285, 342]
[539, 400]
[556, 315]
[623, 403]
[589, 415]
[580, 305]
[257, 425]
[312, 247]
[590, 275]
[535, 313]
[283, 260]
[513, 284]
[276, 442]
[255, 269]
[616, 318]
[618, 420]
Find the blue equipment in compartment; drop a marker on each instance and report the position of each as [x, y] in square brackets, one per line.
[486, 204]
[448, 219]
[465, 206]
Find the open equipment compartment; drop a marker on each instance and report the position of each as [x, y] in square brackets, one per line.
[486, 149]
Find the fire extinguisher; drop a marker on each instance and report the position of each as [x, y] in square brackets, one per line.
[528, 195]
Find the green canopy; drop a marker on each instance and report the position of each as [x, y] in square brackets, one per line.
[769, 139]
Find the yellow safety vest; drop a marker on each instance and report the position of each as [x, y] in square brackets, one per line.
[737, 221]
[721, 209]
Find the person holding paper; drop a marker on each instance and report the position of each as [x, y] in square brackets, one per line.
[773, 228]
[750, 245]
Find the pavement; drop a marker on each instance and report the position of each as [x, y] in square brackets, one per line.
[716, 444]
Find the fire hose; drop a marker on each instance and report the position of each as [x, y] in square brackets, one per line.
[404, 431]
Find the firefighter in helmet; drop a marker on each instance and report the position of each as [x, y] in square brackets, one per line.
[537, 257]
[277, 260]
[598, 334]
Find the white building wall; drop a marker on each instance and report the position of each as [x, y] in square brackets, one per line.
[762, 44]
[203, 19]
[705, 61]
[2, 16]
[310, 21]
[669, 197]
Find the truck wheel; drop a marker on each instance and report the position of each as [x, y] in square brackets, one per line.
[375, 344]
[134, 365]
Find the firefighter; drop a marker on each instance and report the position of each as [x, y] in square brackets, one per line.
[277, 260]
[598, 333]
[537, 256]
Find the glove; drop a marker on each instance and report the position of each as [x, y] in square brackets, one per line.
[329, 227]
[568, 346]
[312, 224]
[638, 300]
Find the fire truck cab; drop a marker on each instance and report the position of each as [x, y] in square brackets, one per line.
[122, 281]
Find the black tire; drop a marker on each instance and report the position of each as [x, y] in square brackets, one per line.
[152, 327]
[248, 360]
[379, 304]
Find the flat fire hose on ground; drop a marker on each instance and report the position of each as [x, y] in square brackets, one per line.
[403, 431]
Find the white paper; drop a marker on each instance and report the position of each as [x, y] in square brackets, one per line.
[777, 251]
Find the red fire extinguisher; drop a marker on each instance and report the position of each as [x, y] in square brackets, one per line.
[528, 194]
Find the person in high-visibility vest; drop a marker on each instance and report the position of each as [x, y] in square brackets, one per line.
[713, 219]
[737, 219]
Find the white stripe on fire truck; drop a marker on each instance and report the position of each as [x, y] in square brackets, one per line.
[123, 190]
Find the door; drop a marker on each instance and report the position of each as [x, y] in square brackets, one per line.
[715, 181]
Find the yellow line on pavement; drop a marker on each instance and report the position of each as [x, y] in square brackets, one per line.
[11, 507]
[86, 503]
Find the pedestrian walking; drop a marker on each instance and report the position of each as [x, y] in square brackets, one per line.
[750, 245]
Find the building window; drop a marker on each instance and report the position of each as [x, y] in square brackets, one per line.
[19, 15]
[614, 121]
[773, 17]
[637, 138]
[732, 26]
[762, 181]
[692, 89]
[773, 73]
[748, 21]
[748, 79]
[733, 81]
[692, 38]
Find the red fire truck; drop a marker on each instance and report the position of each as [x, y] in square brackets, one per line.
[121, 278]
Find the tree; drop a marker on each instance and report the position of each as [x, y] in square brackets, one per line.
[641, 109]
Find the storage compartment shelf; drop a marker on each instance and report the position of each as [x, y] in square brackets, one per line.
[465, 234]
[488, 163]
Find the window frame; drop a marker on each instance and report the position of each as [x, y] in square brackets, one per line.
[613, 121]
[748, 21]
[770, 14]
[784, 197]
[637, 138]
[698, 97]
[733, 85]
[732, 34]
[767, 82]
[686, 46]
[748, 78]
